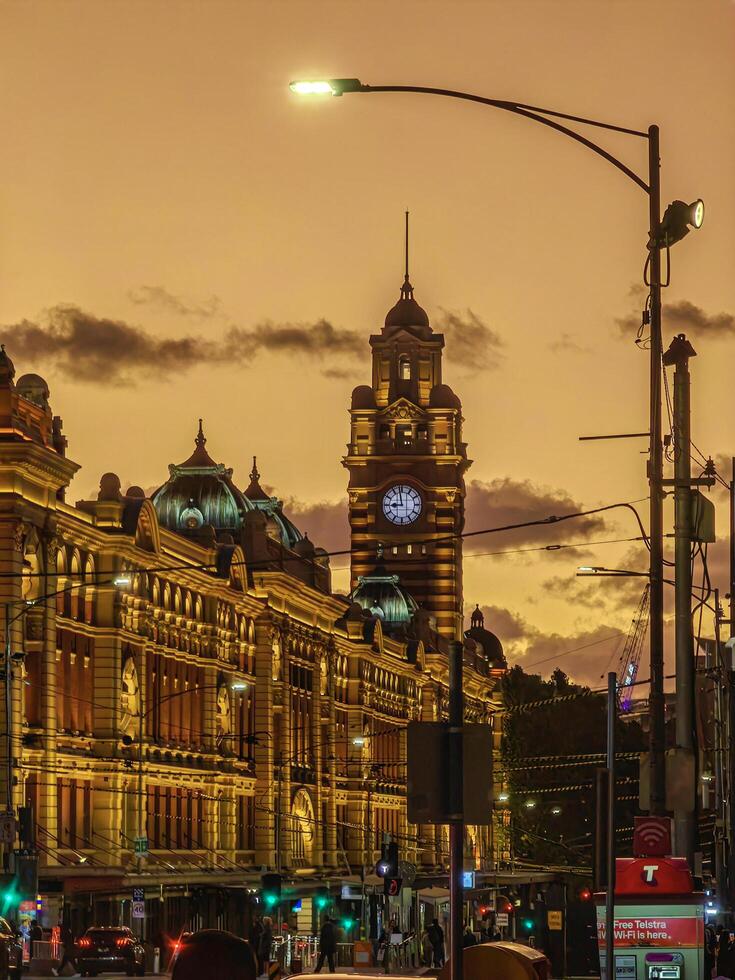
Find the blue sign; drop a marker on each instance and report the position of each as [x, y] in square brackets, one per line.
[468, 879]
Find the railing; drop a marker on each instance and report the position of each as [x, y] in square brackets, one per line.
[45, 949]
[305, 948]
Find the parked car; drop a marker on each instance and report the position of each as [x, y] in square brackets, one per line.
[110, 948]
[11, 952]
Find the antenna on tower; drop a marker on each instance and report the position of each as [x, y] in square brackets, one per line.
[406, 246]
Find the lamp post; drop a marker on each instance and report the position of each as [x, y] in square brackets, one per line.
[142, 715]
[675, 225]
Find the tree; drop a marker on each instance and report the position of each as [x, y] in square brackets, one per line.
[540, 750]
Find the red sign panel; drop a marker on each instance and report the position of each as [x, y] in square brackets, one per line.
[653, 876]
[653, 930]
[652, 836]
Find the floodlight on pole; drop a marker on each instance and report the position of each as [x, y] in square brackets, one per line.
[678, 218]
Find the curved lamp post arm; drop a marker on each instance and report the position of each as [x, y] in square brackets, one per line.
[538, 114]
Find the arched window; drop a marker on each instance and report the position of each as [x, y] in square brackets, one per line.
[404, 368]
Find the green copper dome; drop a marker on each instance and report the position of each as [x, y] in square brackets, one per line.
[384, 597]
[200, 491]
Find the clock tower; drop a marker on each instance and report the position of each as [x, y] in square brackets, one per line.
[406, 461]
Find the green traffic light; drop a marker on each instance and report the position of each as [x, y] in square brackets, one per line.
[270, 900]
[321, 903]
[528, 924]
[347, 924]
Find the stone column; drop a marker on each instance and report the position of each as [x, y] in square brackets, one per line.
[47, 786]
[331, 857]
[265, 638]
[285, 756]
[12, 533]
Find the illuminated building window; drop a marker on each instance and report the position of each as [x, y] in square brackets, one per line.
[404, 369]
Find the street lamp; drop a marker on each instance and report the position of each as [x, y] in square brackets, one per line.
[127, 740]
[679, 217]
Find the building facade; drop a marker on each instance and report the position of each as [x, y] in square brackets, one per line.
[189, 703]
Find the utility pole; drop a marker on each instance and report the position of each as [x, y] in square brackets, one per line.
[657, 705]
[678, 355]
[610, 965]
[456, 808]
[730, 689]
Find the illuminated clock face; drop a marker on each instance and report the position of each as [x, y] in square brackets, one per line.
[402, 504]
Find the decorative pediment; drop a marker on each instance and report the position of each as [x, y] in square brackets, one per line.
[402, 408]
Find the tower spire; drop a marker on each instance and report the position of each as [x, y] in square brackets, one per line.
[200, 440]
[406, 288]
[406, 246]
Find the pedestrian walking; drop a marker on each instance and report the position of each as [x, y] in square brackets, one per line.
[327, 945]
[69, 946]
[436, 935]
[266, 944]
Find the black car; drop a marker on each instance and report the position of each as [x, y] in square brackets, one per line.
[110, 948]
[11, 952]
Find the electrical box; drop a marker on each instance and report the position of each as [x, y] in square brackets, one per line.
[703, 518]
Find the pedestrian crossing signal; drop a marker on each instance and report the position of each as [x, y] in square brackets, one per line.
[392, 887]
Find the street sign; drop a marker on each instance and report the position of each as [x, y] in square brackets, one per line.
[468, 879]
[7, 828]
[554, 918]
[139, 910]
[501, 919]
[141, 845]
[428, 785]
[139, 894]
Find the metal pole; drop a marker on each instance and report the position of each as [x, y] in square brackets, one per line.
[715, 674]
[456, 809]
[729, 739]
[139, 856]
[679, 353]
[8, 713]
[610, 893]
[655, 476]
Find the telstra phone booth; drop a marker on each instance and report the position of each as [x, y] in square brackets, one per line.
[659, 921]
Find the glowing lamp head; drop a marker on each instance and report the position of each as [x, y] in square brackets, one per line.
[530, 804]
[556, 810]
[678, 218]
[325, 86]
[316, 87]
[696, 213]
[503, 797]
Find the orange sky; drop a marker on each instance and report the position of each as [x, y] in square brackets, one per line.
[157, 145]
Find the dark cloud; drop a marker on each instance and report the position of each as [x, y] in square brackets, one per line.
[585, 656]
[470, 342]
[687, 318]
[161, 298]
[508, 501]
[99, 350]
[566, 343]
[680, 317]
[326, 524]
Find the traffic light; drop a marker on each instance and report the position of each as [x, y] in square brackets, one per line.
[321, 899]
[8, 893]
[26, 826]
[387, 866]
[585, 894]
[347, 923]
[271, 886]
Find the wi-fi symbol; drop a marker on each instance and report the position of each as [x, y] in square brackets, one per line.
[652, 837]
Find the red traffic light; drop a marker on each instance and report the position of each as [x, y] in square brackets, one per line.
[585, 894]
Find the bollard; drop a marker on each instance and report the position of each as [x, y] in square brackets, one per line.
[156, 959]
